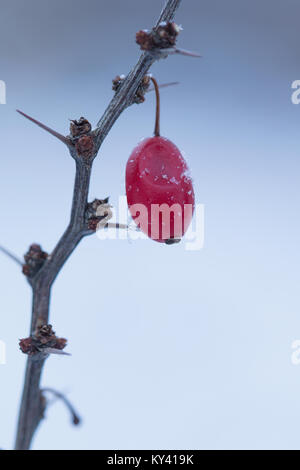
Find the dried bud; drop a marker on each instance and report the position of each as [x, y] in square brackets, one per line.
[27, 346]
[96, 212]
[81, 127]
[41, 341]
[93, 223]
[61, 343]
[34, 260]
[142, 89]
[26, 270]
[163, 37]
[85, 146]
[117, 82]
[144, 40]
[92, 207]
[46, 331]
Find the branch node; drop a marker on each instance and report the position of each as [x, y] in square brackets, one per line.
[85, 147]
[139, 96]
[98, 213]
[80, 127]
[82, 137]
[117, 82]
[162, 37]
[160, 42]
[42, 341]
[143, 88]
[34, 260]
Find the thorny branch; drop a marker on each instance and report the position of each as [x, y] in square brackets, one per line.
[11, 255]
[42, 269]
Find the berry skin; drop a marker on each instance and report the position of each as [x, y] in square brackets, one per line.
[157, 174]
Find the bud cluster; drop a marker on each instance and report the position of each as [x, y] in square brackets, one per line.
[162, 37]
[43, 339]
[97, 211]
[34, 260]
[80, 133]
[139, 96]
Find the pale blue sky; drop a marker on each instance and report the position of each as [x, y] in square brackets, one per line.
[170, 349]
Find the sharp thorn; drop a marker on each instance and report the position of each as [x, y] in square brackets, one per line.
[11, 255]
[60, 137]
[187, 53]
[54, 351]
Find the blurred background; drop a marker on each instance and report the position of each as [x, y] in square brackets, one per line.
[171, 349]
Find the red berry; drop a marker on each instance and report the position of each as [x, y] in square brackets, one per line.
[160, 193]
[157, 174]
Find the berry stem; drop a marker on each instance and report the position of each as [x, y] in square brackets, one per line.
[157, 117]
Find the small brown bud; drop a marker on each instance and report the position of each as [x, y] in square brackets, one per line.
[25, 270]
[142, 89]
[80, 127]
[93, 206]
[61, 343]
[34, 260]
[85, 146]
[117, 82]
[27, 346]
[46, 330]
[93, 223]
[163, 37]
[144, 40]
[97, 211]
[43, 339]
